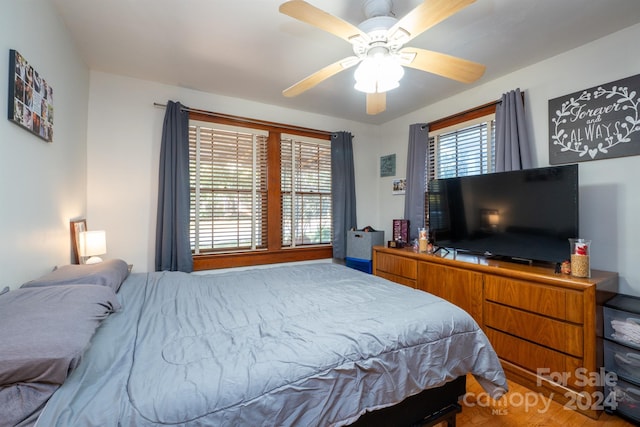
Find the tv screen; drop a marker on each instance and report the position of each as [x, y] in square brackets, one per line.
[524, 215]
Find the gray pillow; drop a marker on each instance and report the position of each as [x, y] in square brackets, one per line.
[111, 273]
[43, 334]
[44, 331]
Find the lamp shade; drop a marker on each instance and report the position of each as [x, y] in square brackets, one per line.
[92, 243]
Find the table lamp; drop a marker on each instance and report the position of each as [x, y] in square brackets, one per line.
[92, 244]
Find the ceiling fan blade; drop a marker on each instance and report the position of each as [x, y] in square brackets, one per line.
[376, 103]
[443, 65]
[305, 12]
[319, 76]
[426, 15]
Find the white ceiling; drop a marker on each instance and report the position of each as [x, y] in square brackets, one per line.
[247, 49]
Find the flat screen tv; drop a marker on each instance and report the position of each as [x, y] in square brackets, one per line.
[525, 215]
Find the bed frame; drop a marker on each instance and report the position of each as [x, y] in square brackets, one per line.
[425, 409]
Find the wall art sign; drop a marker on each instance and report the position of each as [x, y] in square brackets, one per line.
[388, 165]
[598, 123]
[30, 98]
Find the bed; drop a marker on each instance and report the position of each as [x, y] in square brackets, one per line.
[309, 345]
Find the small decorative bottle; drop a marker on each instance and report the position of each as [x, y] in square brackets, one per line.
[423, 239]
[580, 253]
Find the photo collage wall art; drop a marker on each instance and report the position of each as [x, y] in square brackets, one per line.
[30, 98]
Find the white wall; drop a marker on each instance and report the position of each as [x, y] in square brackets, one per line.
[124, 147]
[609, 190]
[42, 186]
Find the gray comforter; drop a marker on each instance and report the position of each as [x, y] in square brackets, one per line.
[307, 345]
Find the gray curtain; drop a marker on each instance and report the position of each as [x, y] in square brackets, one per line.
[417, 161]
[513, 151]
[173, 249]
[343, 191]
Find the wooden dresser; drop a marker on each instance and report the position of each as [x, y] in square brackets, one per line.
[543, 325]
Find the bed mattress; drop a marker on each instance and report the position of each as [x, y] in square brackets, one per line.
[308, 345]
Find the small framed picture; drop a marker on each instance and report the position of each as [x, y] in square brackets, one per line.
[77, 226]
[399, 186]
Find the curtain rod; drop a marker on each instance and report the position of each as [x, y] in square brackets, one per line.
[246, 120]
[469, 114]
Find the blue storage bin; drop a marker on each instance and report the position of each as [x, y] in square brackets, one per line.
[360, 264]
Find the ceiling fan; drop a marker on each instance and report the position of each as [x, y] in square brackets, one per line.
[378, 47]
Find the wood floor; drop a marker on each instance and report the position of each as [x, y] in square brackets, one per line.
[478, 410]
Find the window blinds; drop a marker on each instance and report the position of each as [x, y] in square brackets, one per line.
[228, 175]
[305, 191]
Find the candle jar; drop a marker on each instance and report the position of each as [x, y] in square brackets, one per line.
[580, 254]
[423, 240]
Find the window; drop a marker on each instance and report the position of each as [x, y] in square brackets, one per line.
[306, 191]
[260, 192]
[228, 177]
[466, 149]
[460, 145]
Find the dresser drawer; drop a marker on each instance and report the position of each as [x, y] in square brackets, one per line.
[397, 265]
[532, 357]
[565, 337]
[398, 279]
[549, 301]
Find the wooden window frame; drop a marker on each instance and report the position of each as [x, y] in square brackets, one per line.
[274, 253]
[464, 116]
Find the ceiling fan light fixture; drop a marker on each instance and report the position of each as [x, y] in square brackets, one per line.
[387, 85]
[365, 86]
[378, 73]
[378, 46]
